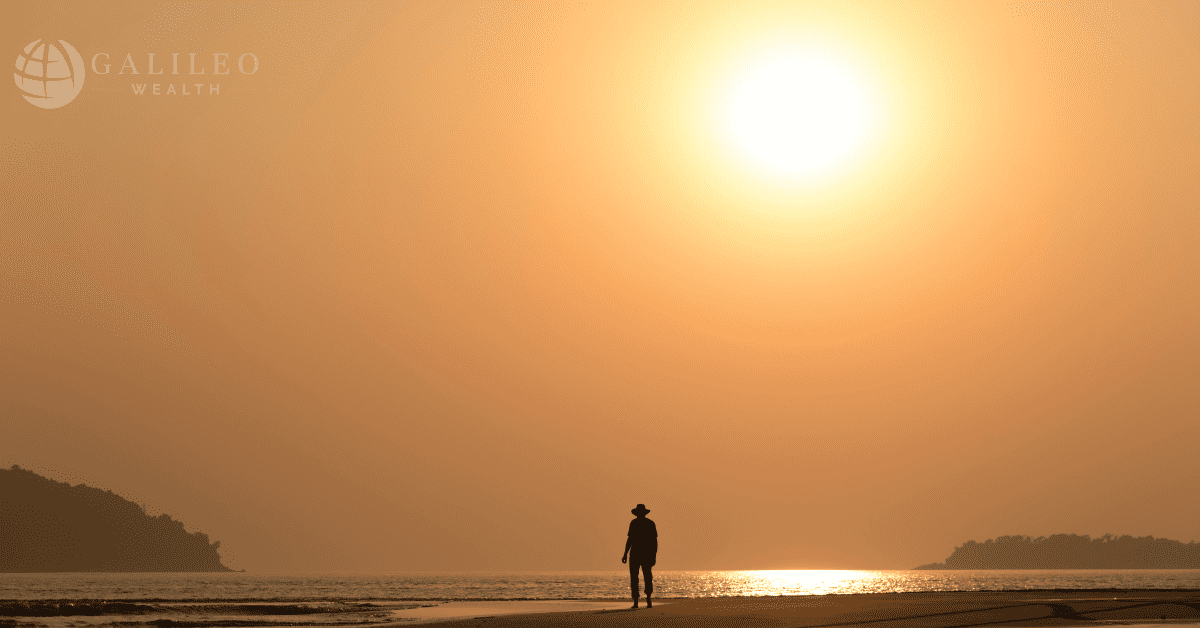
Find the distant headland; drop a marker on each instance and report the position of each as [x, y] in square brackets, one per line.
[48, 526]
[1072, 551]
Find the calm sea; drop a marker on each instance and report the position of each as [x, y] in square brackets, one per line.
[268, 587]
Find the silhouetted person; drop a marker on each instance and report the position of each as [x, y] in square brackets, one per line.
[640, 551]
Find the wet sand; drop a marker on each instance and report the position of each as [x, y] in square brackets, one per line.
[446, 611]
[885, 610]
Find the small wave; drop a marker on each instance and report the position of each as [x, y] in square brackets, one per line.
[72, 608]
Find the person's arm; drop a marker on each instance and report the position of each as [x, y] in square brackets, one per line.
[628, 543]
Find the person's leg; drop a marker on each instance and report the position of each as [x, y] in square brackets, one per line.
[633, 580]
[646, 571]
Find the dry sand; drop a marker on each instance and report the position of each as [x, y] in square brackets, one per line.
[887, 610]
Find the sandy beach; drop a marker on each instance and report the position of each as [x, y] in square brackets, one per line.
[892, 610]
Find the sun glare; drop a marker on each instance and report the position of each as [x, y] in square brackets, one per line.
[797, 112]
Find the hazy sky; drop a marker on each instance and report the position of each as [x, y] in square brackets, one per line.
[455, 286]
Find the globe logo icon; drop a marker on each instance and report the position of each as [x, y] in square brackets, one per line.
[49, 74]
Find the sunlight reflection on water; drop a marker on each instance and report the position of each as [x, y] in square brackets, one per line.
[808, 581]
[821, 582]
[787, 582]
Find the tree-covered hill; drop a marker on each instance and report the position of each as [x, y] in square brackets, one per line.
[1072, 551]
[53, 526]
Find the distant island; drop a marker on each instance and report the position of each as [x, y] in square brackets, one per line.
[48, 526]
[1072, 551]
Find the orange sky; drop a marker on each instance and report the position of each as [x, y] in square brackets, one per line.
[459, 285]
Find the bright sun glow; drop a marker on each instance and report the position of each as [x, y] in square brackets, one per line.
[799, 112]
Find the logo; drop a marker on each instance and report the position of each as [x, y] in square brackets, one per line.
[50, 74]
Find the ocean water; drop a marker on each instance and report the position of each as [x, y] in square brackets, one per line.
[262, 599]
[279, 587]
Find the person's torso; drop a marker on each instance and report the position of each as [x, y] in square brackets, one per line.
[643, 536]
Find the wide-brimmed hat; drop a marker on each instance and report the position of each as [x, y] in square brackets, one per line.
[640, 510]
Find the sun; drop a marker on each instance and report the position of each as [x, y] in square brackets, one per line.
[798, 112]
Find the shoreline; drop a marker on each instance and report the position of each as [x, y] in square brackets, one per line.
[918, 609]
[944, 609]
